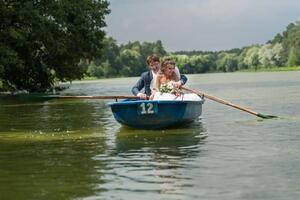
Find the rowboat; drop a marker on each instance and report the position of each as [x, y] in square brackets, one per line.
[145, 114]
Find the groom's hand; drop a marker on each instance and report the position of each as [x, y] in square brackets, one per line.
[142, 96]
[177, 84]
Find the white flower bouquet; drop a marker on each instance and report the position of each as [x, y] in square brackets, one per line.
[168, 88]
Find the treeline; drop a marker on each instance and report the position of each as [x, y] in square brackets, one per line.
[130, 59]
[124, 60]
[46, 42]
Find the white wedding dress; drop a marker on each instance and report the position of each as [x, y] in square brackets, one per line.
[166, 96]
[171, 97]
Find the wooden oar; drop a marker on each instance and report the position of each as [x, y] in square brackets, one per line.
[229, 104]
[91, 97]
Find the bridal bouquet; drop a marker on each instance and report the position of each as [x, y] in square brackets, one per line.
[168, 88]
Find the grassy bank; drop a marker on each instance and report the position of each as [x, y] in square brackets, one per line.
[272, 69]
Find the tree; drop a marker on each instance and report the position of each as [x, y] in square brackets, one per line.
[270, 55]
[277, 54]
[131, 64]
[158, 48]
[251, 57]
[292, 58]
[277, 39]
[108, 64]
[227, 62]
[96, 71]
[43, 41]
[291, 42]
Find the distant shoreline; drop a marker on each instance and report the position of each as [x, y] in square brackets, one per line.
[272, 69]
[87, 79]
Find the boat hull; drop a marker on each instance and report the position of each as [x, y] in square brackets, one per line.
[145, 114]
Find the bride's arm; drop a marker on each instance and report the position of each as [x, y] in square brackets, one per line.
[158, 82]
[156, 88]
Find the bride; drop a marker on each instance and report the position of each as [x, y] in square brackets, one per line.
[166, 84]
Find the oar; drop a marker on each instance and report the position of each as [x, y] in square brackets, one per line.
[229, 104]
[91, 97]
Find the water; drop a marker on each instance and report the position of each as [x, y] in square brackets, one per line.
[74, 149]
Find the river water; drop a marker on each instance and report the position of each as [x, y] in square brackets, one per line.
[74, 149]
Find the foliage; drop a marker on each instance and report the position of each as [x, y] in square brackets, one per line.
[270, 55]
[291, 43]
[292, 58]
[130, 59]
[227, 62]
[124, 60]
[44, 41]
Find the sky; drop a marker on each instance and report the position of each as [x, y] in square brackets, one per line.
[206, 25]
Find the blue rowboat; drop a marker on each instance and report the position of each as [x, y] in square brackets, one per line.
[144, 114]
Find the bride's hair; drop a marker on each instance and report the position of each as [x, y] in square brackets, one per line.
[164, 64]
[167, 61]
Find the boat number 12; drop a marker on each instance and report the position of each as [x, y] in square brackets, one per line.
[147, 108]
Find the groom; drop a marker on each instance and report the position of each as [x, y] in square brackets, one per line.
[148, 79]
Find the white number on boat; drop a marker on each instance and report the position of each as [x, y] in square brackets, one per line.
[146, 108]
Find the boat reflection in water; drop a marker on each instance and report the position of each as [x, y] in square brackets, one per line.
[155, 162]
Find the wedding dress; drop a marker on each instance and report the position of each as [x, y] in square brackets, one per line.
[167, 93]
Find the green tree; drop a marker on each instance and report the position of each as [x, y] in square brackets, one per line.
[96, 71]
[158, 48]
[131, 64]
[270, 55]
[251, 58]
[241, 64]
[227, 62]
[44, 41]
[292, 58]
[291, 42]
[108, 64]
[277, 39]
[199, 64]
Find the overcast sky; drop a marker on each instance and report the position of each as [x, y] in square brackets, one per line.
[200, 24]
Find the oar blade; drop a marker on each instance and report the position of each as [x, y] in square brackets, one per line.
[266, 116]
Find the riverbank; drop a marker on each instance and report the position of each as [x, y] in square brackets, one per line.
[272, 69]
